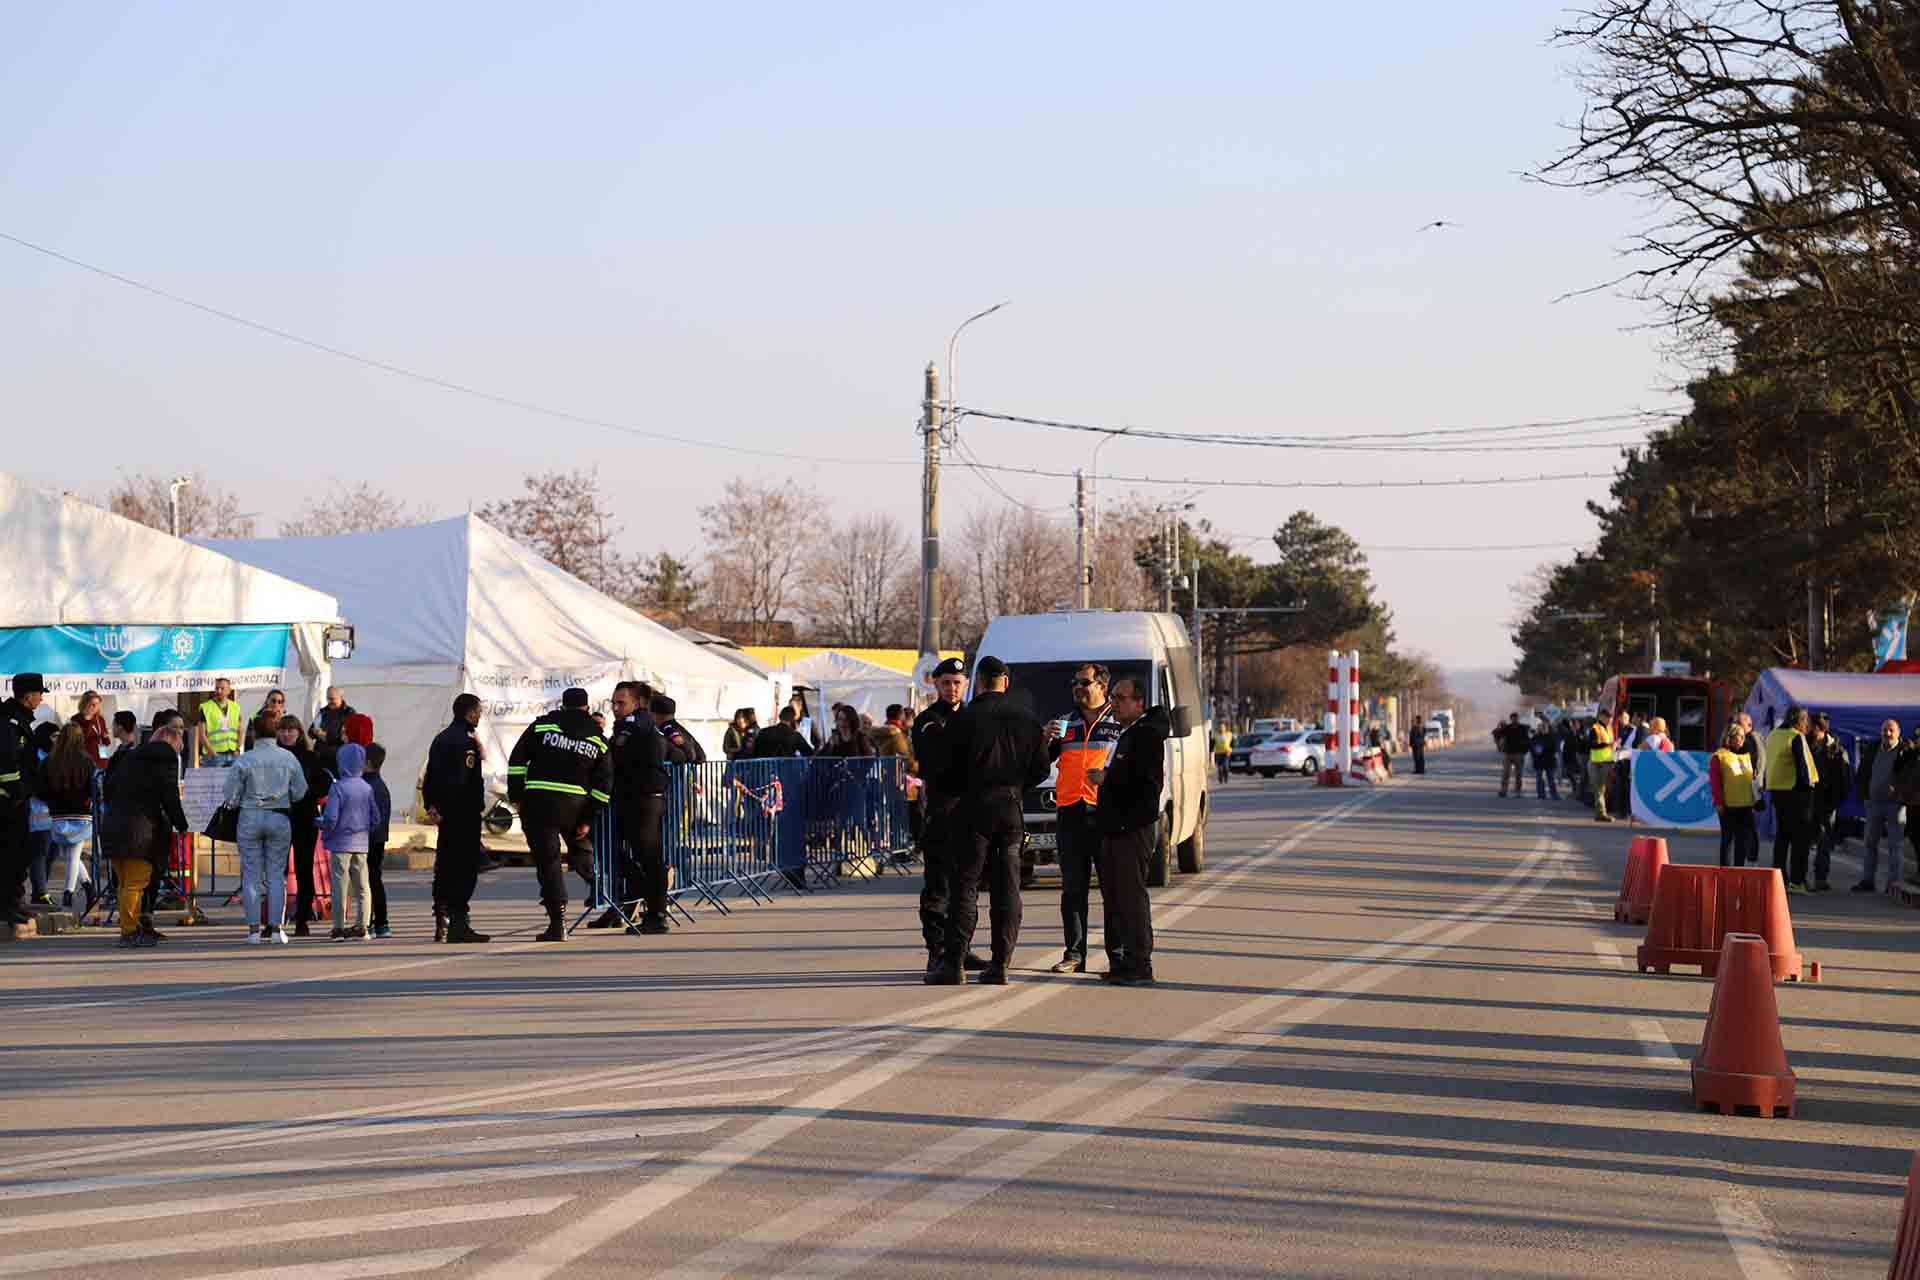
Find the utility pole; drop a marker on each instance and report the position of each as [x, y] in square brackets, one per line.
[930, 426]
[174, 487]
[1083, 593]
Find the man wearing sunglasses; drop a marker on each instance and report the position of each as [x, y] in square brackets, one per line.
[1129, 822]
[1085, 743]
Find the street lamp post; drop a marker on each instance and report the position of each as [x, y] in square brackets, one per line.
[936, 420]
[174, 487]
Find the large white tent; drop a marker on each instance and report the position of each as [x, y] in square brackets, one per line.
[457, 605]
[867, 687]
[92, 600]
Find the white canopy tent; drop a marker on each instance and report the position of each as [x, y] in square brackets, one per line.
[92, 600]
[457, 605]
[867, 687]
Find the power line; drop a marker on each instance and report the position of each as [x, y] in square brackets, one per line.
[444, 384]
[1543, 430]
[1569, 544]
[972, 463]
[1305, 484]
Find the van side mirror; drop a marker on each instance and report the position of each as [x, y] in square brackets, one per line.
[1181, 719]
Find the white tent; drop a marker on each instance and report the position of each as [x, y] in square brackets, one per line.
[95, 601]
[457, 605]
[867, 687]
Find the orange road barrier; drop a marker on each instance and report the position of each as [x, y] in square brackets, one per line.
[1646, 859]
[1696, 908]
[1742, 1061]
[1906, 1244]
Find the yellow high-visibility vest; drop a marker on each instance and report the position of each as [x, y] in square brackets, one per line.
[1736, 778]
[223, 727]
[1781, 775]
[1602, 750]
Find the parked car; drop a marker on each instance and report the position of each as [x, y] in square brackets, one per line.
[1242, 747]
[1274, 724]
[1298, 752]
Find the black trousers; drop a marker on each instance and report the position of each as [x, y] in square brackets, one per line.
[14, 825]
[644, 867]
[1123, 896]
[1738, 838]
[938, 849]
[456, 864]
[1419, 758]
[1079, 847]
[306, 834]
[1792, 833]
[550, 825]
[376, 882]
[990, 850]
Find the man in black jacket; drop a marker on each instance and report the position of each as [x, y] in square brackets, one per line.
[782, 740]
[941, 831]
[19, 781]
[561, 777]
[1836, 779]
[143, 814]
[1129, 823]
[640, 804]
[995, 750]
[455, 794]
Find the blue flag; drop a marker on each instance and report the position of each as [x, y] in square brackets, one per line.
[1890, 633]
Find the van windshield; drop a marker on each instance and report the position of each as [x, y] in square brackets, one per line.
[1046, 688]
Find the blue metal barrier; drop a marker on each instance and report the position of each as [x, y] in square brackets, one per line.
[749, 826]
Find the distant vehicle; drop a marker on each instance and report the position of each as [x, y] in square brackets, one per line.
[1298, 752]
[1275, 724]
[1242, 748]
[1043, 650]
[1695, 708]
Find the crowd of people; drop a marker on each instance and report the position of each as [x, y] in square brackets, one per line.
[1799, 770]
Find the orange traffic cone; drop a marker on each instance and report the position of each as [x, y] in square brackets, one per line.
[1742, 1061]
[1906, 1244]
[1695, 908]
[1646, 858]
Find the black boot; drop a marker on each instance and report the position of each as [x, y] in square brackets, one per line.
[941, 974]
[439, 926]
[973, 963]
[460, 930]
[609, 920]
[556, 925]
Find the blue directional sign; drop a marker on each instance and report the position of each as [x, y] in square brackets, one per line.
[1671, 789]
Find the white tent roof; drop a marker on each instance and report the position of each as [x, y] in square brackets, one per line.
[460, 594]
[69, 561]
[838, 677]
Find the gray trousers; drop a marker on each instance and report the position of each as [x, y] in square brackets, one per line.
[1883, 819]
[265, 840]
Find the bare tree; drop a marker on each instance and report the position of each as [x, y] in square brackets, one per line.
[358, 509]
[1017, 560]
[562, 518]
[757, 541]
[206, 510]
[848, 589]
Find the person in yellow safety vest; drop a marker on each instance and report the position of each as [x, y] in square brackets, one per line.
[1791, 778]
[1600, 766]
[1222, 749]
[219, 727]
[1735, 791]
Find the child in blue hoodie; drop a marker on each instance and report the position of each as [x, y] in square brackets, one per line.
[351, 814]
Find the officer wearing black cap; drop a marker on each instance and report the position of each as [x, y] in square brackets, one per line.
[561, 776]
[995, 749]
[20, 779]
[639, 804]
[455, 794]
[681, 746]
[939, 841]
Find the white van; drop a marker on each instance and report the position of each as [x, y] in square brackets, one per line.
[1042, 651]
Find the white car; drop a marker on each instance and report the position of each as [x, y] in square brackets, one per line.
[1298, 752]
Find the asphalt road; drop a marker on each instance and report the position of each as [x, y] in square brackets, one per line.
[1397, 1033]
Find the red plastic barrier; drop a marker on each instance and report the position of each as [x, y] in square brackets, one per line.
[1742, 1061]
[1646, 859]
[1696, 909]
[1906, 1243]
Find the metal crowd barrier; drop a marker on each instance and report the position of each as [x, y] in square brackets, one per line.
[751, 826]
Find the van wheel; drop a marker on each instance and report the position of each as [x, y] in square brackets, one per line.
[1193, 850]
[1159, 862]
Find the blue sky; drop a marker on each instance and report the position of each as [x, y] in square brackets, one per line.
[756, 225]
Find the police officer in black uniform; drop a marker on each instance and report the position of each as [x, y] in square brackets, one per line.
[20, 779]
[561, 776]
[455, 794]
[682, 747]
[995, 750]
[939, 842]
[640, 803]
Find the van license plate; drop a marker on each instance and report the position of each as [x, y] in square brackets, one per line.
[1041, 840]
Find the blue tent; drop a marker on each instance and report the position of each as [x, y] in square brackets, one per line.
[1856, 703]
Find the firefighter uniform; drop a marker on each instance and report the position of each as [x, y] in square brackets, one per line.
[454, 788]
[560, 775]
[640, 803]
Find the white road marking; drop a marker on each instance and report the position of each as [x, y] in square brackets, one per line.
[1609, 954]
[404, 1184]
[560, 1249]
[391, 1264]
[1654, 1043]
[1115, 1103]
[1755, 1248]
[810, 1065]
[275, 1237]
